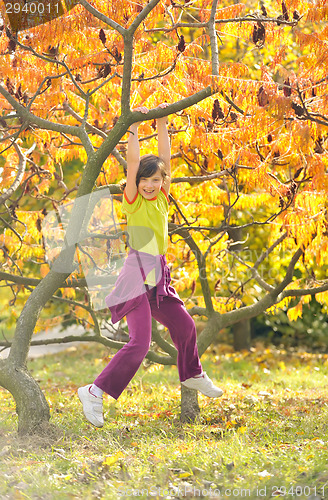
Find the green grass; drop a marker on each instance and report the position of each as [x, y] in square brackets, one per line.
[266, 436]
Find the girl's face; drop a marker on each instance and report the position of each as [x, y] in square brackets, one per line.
[149, 187]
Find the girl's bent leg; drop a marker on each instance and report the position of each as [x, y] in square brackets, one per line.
[123, 366]
[182, 329]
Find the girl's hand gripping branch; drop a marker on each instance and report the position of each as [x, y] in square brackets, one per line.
[133, 157]
[164, 148]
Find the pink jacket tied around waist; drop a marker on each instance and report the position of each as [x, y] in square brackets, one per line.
[130, 284]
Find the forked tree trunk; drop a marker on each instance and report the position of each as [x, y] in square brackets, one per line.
[189, 405]
[31, 405]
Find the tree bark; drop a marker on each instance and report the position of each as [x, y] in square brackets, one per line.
[31, 405]
[189, 405]
[242, 335]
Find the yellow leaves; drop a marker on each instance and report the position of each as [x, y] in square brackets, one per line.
[254, 200]
[154, 368]
[299, 229]
[322, 298]
[69, 293]
[282, 366]
[318, 11]
[221, 305]
[44, 269]
[280, 305]
[112, 172]
[317, 170]
[295, 312]
[184, 475]
[231, 11]
[113, 459]
[30, 219]
[231, 71]
[310, 203]
[65, 154]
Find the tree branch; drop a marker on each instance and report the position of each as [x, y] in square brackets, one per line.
[102, 17]
[30, 118]
[100, 339]
[244, 19]
[271, 298]
[95, 130]
[202, 178]
[142, 16]
[19, 176]
[201, 261]
[305, 291]
[255, 274]
[177, 106]
[213, 39]
[28, 282]
[164, 345]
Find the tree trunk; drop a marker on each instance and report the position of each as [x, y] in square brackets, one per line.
[31, 405]
[189, 405]
[242, 335]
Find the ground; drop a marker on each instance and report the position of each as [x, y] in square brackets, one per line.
[265, 438]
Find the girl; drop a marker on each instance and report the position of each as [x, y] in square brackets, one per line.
[143, 288]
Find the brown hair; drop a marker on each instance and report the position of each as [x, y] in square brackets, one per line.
[148, 166]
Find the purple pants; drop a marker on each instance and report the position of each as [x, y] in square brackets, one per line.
[173, 315]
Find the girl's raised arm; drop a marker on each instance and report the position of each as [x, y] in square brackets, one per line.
[164, 148]
[133, 158]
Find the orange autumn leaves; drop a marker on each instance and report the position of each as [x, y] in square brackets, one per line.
[266, 123]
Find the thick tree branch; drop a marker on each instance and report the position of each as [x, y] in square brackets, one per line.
[19, 176]
[198, 311]
[128, 56]
[213, 40]
[32, 282]
[177, 106]
[305, 291]
[218, 321]
[100, 339]
[30, 118]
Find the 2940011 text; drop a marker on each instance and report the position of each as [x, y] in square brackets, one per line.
[300, 491]
[32, 8]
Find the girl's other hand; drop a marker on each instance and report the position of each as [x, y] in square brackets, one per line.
[142, 109]
[163, 105]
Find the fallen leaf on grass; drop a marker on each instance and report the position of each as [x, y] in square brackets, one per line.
[112, 459]
[184, 474]
[264, 473]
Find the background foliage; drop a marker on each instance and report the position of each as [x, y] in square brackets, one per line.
[252, 156]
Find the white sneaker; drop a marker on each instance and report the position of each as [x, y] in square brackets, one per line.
[92, 406]
[203, 384]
